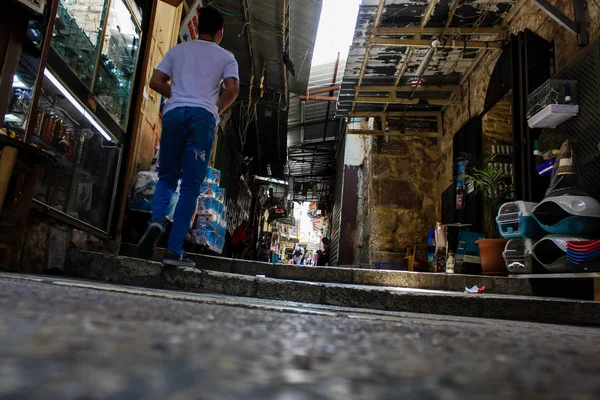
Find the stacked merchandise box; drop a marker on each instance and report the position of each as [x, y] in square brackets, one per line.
[143, 194]
[210, 223]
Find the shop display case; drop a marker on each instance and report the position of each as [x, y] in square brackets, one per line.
[118, 61]
[17, 113]
[99, 41]
[77, 34]
[82, 182]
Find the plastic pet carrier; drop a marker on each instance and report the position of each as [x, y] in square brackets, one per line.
[515, 220]
[518, 257]
[568, 215]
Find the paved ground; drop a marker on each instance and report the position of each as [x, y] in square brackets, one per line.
[59, 341]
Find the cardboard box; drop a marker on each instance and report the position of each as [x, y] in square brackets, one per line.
[468, 260]
[220, 195]
[213, 176]
[208, 189]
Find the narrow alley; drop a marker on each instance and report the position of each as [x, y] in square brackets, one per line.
[299, 199]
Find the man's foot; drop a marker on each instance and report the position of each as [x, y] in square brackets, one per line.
[150, 239]
[177, 260]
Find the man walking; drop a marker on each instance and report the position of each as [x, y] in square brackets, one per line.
[189, 76]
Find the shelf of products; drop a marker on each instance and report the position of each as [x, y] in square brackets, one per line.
[17, 113]
[81, 183]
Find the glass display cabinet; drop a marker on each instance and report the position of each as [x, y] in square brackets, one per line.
[118, 61]
[99, 41]
[76, 35]
[82, 182]
[17, 114]
[83, 100]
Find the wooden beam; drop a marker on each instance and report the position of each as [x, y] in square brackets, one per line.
[392, 114]
[444, 102]
[513, 11]
[391, 100]
[385, 100]
[469, 44]
[392, 133]
[319, 98]
[324, 89]
[401, 70]
[417, 30]
[428, 12]
[407, 88]
[363, 68]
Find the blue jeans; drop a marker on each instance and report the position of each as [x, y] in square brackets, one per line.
[186, 144]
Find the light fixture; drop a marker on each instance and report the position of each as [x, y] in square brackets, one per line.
[13, 118]
[271, 180]
[76, 104]
[416, 82]
[18, 84]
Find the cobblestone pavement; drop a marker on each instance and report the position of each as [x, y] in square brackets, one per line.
[63, 342]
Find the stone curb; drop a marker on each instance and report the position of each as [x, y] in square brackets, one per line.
[356, 276]
[131, 271]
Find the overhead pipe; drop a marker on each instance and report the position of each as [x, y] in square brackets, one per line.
[335, 71]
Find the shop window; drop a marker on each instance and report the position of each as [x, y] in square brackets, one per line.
[77, 34]
[118, 61]
[82, 182]
[17, 113]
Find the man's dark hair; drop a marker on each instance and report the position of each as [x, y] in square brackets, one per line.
[210, 21]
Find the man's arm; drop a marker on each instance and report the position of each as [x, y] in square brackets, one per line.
[226, 99]
[160, 83]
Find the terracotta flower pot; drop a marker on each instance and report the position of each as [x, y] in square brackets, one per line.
[492, 262]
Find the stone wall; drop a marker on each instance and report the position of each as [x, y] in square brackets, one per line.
[497, 124]
[403, 203]
[47, 242]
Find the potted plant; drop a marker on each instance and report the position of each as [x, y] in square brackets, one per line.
[490, 182]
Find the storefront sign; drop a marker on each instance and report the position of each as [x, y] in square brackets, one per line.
[189, 26]
[276, 213]
[35, 5]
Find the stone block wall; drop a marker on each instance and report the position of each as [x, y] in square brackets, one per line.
[48, 240]
[403, 189]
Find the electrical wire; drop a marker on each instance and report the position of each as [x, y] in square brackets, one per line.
[213, 5]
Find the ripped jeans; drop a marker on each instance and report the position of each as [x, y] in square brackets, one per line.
[186, 144]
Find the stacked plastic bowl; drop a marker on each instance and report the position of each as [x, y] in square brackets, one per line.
[584, 256]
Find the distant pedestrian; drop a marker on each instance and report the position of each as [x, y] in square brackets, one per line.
[190, 77]
[323, 254]
[240, 244]
[299, 255]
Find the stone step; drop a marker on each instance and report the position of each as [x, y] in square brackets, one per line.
[137, 272]
[350, 275]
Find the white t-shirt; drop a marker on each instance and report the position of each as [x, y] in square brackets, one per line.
[196, 69]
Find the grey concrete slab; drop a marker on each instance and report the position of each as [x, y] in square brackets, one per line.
[289, 290]
[130, 271]
[230, 284]
[359, 276]
[351, 296]
[72, 343]
[434, 304]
